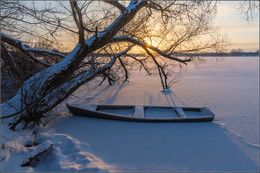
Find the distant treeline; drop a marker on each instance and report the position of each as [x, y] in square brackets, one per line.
[195, 54]
[221, 54]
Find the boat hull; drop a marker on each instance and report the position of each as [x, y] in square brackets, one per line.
[98, 111]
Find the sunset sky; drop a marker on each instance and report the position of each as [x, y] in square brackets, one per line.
[243, 34]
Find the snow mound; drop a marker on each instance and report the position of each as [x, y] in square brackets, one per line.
[59, 152]
[70, 155]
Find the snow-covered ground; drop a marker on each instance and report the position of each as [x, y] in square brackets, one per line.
[229, 88]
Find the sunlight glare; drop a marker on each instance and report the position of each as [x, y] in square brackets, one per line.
[151, 42]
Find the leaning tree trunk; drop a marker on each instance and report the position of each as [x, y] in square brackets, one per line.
[43, 91]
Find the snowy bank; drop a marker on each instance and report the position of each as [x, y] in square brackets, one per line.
[63, 154]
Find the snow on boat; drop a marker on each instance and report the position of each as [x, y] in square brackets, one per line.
[143, 113]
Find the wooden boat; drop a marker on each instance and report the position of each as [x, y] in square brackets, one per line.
[143, 113]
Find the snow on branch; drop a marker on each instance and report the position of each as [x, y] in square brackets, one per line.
[21, 45]
[146, 45]
[36, 152]
[69, 87]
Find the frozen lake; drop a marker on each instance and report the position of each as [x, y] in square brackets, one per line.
[229, 88]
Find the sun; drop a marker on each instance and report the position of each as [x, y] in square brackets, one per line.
[148, 41]
[151, 42]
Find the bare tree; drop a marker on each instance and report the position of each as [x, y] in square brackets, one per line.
[161, 30]
[248, 7]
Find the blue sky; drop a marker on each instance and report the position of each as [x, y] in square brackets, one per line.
[242, 33]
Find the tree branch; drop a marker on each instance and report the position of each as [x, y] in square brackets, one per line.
[160, 69]
[116, 4]
[69, 87]
[38, 151]
[10, 61]
[146, 45]
[24, 47]
[124, 67]
[77, 16]
[141, 62]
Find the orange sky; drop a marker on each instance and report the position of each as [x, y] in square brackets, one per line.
[243, 34]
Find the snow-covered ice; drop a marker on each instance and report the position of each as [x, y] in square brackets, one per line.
[229, 88]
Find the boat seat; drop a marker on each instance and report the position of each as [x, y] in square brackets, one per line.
[139, 112]
[180, 112]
